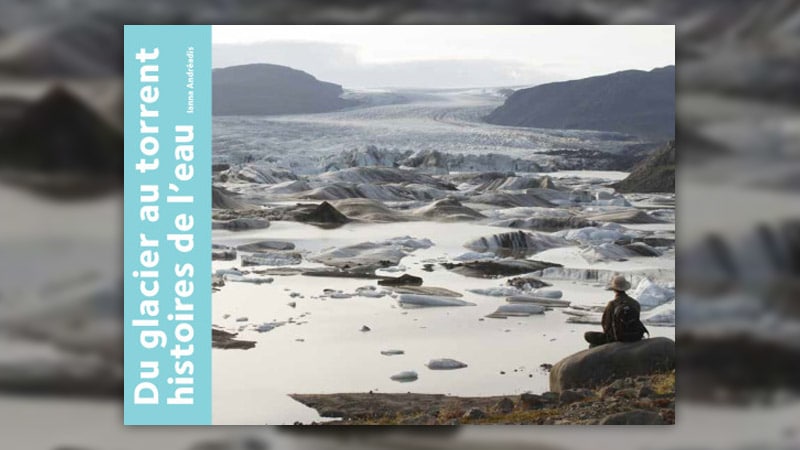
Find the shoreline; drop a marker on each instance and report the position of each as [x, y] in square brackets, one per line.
[642, 400]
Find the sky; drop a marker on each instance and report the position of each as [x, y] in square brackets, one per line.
[432, 56]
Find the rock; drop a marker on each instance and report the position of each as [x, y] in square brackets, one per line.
[474, 414]
[504, 406]
[445, 364]
[546, 367]
[402, 280]
[260, 246]
[594, 366]
[405, 377]
[629, 393]
[551, 397]
[324, 215]
[365, 328]
[240, 224]
[225, 340]
[498, 268]
[646, 391]
[531, 401]
[571, 396]
[635, 417]
[292, 304]
[527, 283]
[426, 301]
[392, 352]
[222, 253]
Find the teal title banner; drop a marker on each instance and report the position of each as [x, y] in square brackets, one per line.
[167, 225]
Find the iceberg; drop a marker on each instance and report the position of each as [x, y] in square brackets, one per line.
[427, 301]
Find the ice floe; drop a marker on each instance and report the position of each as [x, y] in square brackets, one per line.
[274, 258]
[445, 364]
[516, 310]
[405, 377]
[528, 242]
[426, 301]
[650, 294]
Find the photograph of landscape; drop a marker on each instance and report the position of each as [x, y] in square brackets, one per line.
[423, 225]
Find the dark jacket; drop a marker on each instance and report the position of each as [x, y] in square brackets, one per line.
[621, 299]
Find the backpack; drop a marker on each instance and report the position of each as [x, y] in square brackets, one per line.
[625, 324]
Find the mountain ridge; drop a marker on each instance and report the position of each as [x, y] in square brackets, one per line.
[636, 102]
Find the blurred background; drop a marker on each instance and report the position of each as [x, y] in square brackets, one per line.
[738, 119]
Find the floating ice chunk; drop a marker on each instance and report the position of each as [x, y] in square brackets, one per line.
[268, 326]
[663, 315]
[371, 291]
[516, 310]
[423, 301]
[224, 272]
[542, 301]
[445, 364]
[475, 256]
[591, 234]
[254, 280]
[500, 291]
[405, 377]
[409, 242]
[393, 269]
[650, 294]
[548, 293]
[273, 258]
[529, 242]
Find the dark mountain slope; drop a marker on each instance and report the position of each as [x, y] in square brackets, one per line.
[654, 174]
[633, 102]
[266, 89]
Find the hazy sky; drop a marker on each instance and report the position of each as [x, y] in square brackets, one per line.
[446, 56]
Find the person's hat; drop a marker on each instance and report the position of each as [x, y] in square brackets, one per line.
[618, 283]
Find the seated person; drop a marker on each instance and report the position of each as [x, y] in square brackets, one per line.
[620, 318]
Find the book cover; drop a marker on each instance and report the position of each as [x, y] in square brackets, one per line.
[396, 225]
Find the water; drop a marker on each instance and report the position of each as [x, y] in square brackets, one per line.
[251, 387]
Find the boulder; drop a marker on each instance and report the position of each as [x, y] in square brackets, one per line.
[594, 366]
[402, 280]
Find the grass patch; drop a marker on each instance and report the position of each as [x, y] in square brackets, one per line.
[664, 383]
